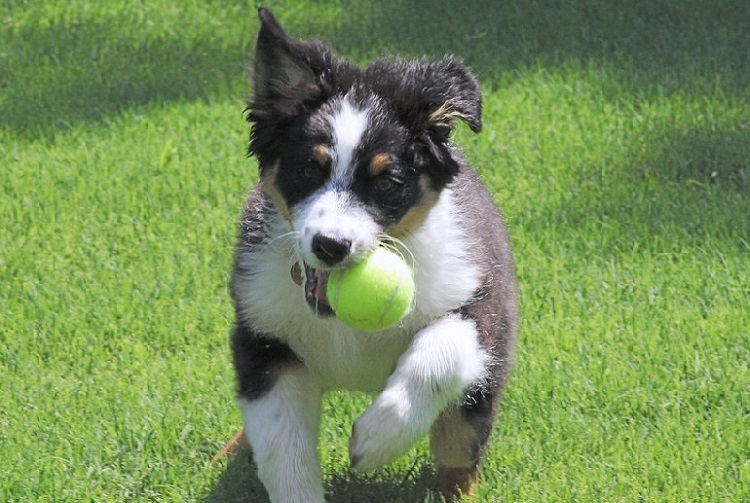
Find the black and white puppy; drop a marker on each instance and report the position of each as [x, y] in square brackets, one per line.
[351, 159]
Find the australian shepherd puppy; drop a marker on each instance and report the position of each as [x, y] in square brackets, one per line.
[352, 159]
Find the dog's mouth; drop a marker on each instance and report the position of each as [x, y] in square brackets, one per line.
[315, 285]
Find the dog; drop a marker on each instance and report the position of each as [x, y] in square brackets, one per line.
[350, 159]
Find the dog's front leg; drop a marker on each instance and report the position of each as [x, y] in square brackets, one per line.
[443, 360]
[282, 429]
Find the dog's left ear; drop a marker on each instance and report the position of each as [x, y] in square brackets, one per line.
[437, 95]
[430, 98]
[450, 93]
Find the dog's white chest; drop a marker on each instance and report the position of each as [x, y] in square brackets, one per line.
[344, 359]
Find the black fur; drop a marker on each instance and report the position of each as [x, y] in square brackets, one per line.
[257, 361]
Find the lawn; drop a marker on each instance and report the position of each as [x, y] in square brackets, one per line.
[616, 139]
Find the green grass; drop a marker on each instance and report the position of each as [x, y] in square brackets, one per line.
[616, 138]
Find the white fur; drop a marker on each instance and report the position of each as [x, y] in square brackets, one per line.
[348, 125]
[445, 274]
[330, 212]
[442, 360]
[282, 426]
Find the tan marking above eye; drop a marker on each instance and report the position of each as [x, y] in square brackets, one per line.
[321, 155]
[379, 163]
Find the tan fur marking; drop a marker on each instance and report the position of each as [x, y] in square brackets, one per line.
[234, 446]
[452, 440]
[321, 155]
[268, 182]
[445, 115]
[416, 215]
[457, 483]
[441, 113]
[379, 164]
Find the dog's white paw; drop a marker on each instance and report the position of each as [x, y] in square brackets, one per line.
[386, 431]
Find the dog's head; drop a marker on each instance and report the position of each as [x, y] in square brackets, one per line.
[350, 156]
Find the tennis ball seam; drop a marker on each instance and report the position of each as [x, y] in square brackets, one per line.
[361, 287]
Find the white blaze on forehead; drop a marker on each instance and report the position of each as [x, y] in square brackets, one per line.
[331, 211]
[349, 125]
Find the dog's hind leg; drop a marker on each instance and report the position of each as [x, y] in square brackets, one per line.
[457, 441]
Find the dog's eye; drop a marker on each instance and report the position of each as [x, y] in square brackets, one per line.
[312, 172]
[385, 184]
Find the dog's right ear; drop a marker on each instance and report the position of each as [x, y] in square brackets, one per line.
[286, 72]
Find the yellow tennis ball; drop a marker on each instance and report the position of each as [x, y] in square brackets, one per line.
[374, 294]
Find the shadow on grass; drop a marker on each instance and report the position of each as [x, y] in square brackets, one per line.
[714, 157]
[691, 39]
[65, 73]
[680, 187]
[240, 484]
[85, 74]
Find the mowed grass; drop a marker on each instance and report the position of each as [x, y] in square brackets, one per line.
[616, 139]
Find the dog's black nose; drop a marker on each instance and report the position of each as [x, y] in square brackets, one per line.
[330, 251]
